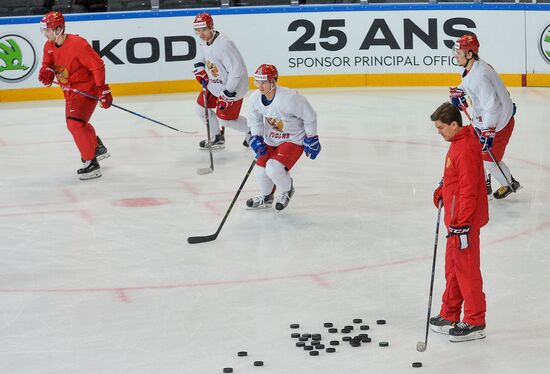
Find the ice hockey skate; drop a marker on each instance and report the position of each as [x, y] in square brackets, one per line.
[260, 202]
[284, 198]
[89, 170]
[464, 332]
[504, 191]
[441, 325]
[101, 152]
[218, 143]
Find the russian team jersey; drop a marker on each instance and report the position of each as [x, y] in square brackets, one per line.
[289, 117]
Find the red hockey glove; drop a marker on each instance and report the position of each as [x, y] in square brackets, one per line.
[438, 193]
[46, 76]
[200, 74]
[105, 97]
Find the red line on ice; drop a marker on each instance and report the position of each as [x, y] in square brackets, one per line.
[123, 296]
[70, 195]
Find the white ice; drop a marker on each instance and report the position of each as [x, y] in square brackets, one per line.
[91, 284]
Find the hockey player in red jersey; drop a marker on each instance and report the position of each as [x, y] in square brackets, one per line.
[220, 65]
[72, 60]
[464, 198]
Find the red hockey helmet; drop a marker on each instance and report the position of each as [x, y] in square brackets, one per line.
[52, 20]
[203, 20]
[467, 42]
[266, 72]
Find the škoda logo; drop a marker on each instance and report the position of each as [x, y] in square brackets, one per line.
[17, 58]
[544, 44]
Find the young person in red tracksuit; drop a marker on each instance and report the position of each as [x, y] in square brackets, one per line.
[74, 62]
[464, 196]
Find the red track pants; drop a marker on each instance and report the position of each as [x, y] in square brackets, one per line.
[78, 111]
[463, 282]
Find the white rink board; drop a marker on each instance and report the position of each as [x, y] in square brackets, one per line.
[538, 26]
[322, 43]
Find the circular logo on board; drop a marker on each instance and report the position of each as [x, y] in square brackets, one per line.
[17, 58]
[544, 44]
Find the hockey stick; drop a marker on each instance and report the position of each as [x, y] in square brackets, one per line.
[421, 346]
[209, 238]
[68, 88]
[489, 151]
[203, 171]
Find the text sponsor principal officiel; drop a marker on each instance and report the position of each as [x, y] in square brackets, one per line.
[343, 61]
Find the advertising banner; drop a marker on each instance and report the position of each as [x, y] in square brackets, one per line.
[323, 44]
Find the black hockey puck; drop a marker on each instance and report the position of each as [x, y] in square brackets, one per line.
[319, 346]
[381, 322]
[357, 320]
[314, 353]
[294, 325]
[332, 330]
[334, 342]
[345, 331]
[349, 327]
[383, 344]
[331, 350]
[308, 347]
[326, 324]
[301, 338]
[258, 363]
[363, 336]
[242, 354]
[346, 338]
[366, 340]
[316, 336]
[298, 344]
[417, 364]
[306, 335]
[355, 344]
[295, 335]
[364, 327]
[227, 370]
[315, 342]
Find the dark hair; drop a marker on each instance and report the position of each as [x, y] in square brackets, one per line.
[447, 113]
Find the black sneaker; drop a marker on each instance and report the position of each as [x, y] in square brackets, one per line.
[89, 170]
[218, 143]
[260, 202]
[464, 332]
[441, 325]
[504, 191]
[101, 151]
[284, 198]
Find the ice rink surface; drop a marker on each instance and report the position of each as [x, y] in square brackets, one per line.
[97, 276]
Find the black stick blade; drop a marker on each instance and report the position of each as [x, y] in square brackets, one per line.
[201, 239]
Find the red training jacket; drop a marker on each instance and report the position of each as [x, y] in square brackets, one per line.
[464, 190]
[76, 64]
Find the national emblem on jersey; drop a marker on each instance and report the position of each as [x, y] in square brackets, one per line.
[448, 163]
[62, 74]
[276, 123]
[213, 69]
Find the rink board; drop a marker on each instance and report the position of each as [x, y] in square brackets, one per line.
[312, 46]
